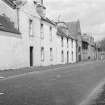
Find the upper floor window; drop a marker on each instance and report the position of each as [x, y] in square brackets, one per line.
[62, 41]
[50, 33]
[41, 31]
[72, 43]
[79, 49]
[42, 54]
[51, 54]
[67, 42]
[30, 27]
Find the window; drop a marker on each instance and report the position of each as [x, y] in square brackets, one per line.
[67, 43]
[62, 41]
[79, 49]
[72, 56]
[72, 43]
[42, 54]
[50, 33]
[41, 31]
[51, 54]
[30, 27]
[62, 56]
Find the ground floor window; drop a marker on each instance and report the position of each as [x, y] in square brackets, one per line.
[62, 56]
[42, 54]
[51, 54]
[67, 56]
[72, 56]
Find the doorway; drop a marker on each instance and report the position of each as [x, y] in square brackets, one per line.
[31, 56]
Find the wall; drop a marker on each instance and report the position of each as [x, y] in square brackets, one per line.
[18, 47]
[74, 51]
[66, 49]
[47, 44]
[26, 13]
[13, 51]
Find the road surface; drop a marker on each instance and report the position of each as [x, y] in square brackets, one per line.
[68, 85]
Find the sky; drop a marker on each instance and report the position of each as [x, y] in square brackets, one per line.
[91, 14]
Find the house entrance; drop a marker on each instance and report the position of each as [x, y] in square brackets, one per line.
[31, 56]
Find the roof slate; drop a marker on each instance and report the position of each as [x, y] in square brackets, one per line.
[48, 20]
[74, 28]
[7, 25]
[10, 3]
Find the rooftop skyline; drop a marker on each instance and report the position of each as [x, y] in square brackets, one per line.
[91, 14]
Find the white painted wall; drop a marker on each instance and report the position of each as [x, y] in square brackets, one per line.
[29, 12]
[13, 51]
[47, 44]
[65, 49]
[74, 51]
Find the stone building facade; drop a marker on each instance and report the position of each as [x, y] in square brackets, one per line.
[31, 38]
[88, 47]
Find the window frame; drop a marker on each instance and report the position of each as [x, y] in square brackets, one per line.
[67, 42]
[62, 56]
[62, 44]
[42, 31]
[42, 54]
[50, 32]
[51, 54]
[30, 27]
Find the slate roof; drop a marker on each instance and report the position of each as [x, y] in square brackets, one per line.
[7, 25]
[74, 29]
[10, 3]
[61, 30]
[48, 20]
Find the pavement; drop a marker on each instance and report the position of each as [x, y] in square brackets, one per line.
[61, 85]
[13, 72]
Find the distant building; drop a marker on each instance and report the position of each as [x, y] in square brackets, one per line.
[68, 44]
[75, 32]
[88, 47]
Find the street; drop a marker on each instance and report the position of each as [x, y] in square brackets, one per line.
[68, 85]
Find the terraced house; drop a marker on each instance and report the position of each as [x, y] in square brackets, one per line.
[28, 38]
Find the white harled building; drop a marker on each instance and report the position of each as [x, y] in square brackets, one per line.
[28, 38]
